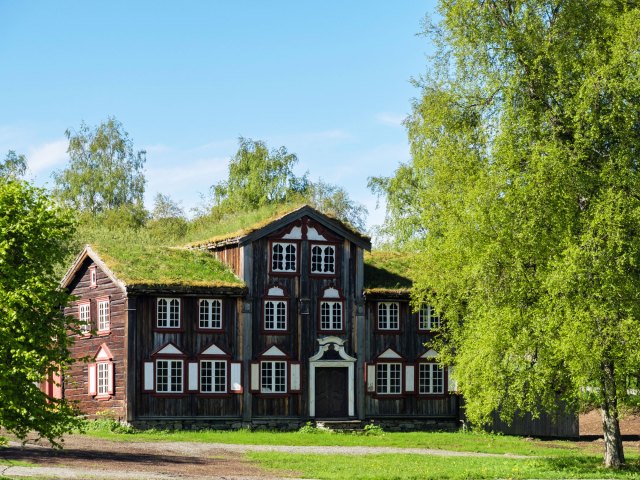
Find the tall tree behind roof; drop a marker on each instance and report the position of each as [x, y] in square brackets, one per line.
[104, 171]
[14, 166]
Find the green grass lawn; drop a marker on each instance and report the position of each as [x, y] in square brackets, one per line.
[459, 442]
[431, 467]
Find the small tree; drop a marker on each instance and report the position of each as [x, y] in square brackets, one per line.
[34, 341]
[13, 167]
[104, 172]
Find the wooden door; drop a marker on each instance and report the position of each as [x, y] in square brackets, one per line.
[332, 392]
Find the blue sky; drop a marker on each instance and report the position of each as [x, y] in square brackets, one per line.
[329, 80]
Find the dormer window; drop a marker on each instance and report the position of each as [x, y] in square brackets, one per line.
[323, 259]
[284, 257]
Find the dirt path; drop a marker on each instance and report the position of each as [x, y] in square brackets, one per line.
[86, 457]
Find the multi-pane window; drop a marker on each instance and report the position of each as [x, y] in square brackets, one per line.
[213, 376]
[389, 378]
[84, 314]
[275, 315]
[283, 257]
[103, 378]
[427, 318]
[168, 313]
[323, 259]
[430, 378]
[103, 315]
[331, 315]
[388, 316]
[169, 375]
[211, 314]
[273, 377]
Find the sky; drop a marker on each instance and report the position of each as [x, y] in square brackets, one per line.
[330, 81]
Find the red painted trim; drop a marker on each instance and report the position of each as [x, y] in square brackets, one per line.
[200, 329]
[380, 331]
[170, 355]
[185, 378]
[430, 396]
[215, 358]
[262, 355]
[106, 350]
[180, 327]
[277, 273]
[319, 313]
[286, 300]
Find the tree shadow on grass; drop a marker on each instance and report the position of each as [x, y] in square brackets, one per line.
[588, 467]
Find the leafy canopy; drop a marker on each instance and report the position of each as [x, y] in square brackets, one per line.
[13, 166]
[104, 172]
[523, 199]
[34, 341]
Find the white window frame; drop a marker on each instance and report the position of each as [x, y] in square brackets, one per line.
[211, 317]
[215, 386]
[384, 379]
[93, 277]
[284, 264]
[323, 263]
[277, 370]
[84, 317]
[426, 383]
[104, 315]
[103, 378]
[273, 317]
[386, 320]
[427, 318]
[165, 317]
[333, 323]
[172, 386]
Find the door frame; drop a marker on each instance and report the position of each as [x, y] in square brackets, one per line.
[345, 361]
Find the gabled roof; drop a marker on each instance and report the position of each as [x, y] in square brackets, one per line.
[135, 267]
[273, 222]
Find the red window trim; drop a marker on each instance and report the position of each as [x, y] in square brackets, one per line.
[284, 298]
[105, 298]
[85, 301]
[445, 382]
[382, 331]
[200, 329]
[336, 265]
[158, 329]
[276, 358]
[341, 300]
[402, 361]
[227, 358]
[155, 356]
[277, 273]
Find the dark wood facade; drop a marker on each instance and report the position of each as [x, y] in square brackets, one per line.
[299, 341]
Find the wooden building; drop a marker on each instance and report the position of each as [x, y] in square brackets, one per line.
[282, 322]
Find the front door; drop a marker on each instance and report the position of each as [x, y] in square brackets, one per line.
[332, 392]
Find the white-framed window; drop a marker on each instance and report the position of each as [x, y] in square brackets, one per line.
[330, 315]
[388, 316]
[211, 314]
[389, 378]
[283, 257]
[430, 379]
[323, 259]
[93, 277]
[104, 379]
[169, 376]
[168, 313]
[213, 376]
[427, 318]
[84, 315]
[273, 376]
[275, 315]
[104, 320]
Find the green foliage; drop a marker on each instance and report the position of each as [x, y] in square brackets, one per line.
[309, 428]
[13, 166]
[523, 199]
[34, 341]
[371, 429]
[104, 172]
[258, 177]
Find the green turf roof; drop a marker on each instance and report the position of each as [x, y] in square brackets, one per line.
[153, 265]
[231, 228]
[388, 273]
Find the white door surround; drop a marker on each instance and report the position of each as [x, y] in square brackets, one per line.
[343, 360]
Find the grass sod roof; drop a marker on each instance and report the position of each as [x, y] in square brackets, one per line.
[232, 227]
[388, 273]
[139, 265]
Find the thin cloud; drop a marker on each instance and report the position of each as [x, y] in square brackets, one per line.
[390, 119]
[47, 156]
